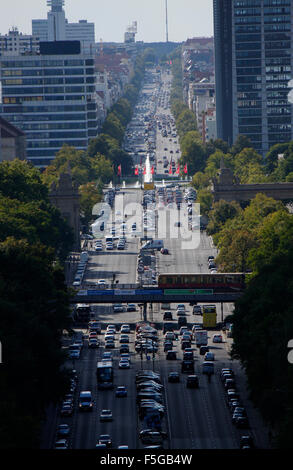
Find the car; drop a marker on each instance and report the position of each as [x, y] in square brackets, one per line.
[197, 310]
[217, 338]
[192, 381]
[124, 364]
[121, 391]
[66, 410]
[106, 415]
[246, 441]
[75, 354]
[173, 377]
[98, 248]
[167, 316]
[61, 444]
[171, 355]
[101, 282]
[109, 344]
[131, 308]
[168, 346]
[209, 356]
[105, 439]
[241, 422]
[117, 308]
[63, 430]
[124, 348]
[125, 328]
[107, 356]
[93, 343]
[203, 350]
[164, 251]
[181, 307]
[124, 338]
[149, 436]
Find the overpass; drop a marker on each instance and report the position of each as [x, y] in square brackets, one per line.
[147, 295]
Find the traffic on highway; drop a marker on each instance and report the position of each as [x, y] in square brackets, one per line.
[148, 375]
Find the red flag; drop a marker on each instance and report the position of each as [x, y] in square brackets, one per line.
[136, 171]
[185, 168]
[144, 171]
[178, 170]
[152, 170]
[119, 170]
[170, 170]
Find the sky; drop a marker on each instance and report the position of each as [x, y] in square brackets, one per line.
[187, 18]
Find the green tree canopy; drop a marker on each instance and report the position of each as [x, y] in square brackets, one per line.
[20, 180]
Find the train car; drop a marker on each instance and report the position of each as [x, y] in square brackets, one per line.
[219, 282]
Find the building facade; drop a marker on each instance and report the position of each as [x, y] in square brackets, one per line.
[51, 98]
[253, 70]
[15, 43]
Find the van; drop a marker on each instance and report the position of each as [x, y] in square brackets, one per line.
[153, 245]
[85, 401]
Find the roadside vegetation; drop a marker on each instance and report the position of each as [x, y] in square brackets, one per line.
[34, 303]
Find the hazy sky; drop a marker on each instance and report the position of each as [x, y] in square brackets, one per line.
[187, 18]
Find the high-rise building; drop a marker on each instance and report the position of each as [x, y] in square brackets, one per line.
[253, 64]
[57, 28]
[51, 98]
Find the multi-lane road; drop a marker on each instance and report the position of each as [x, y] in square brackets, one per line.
[194, 418]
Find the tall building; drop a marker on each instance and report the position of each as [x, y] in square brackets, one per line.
[51, 98]
[57, 28]
[253, 63]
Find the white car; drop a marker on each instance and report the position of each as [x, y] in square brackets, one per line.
[125, 329]
[102, 282]
[106, 415]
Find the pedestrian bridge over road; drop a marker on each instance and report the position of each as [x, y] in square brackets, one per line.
[133, 293]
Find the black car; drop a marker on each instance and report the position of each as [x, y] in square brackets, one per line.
[246, 441]
[192, 381]
[124, 348]
[167, 316]
[105, 439]
[173, 377]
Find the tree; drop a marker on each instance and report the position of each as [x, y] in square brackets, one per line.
[68, 158]
[262, 320]
[192, 152]
[235, 245]
[200, 180]
[102, 144]
[241, 143]
[205, 199]
[186, 122]
[221, 212]
[37, 222]
[34, 305]
[271, 158]
[90, 195]
[243, 158]
[113, 127]
[122, 109]
[20, 180]
[102, 169]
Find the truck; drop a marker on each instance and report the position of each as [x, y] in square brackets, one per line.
[201, 337]
[153, 245]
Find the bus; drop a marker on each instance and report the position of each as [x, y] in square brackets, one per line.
[105, 375]
[219, 282]
[82, 313]
[209, 316]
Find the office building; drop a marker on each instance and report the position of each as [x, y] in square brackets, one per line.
[253, 63]
[12, 142]
[57, 28]
[51, 98]
[15, 43]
